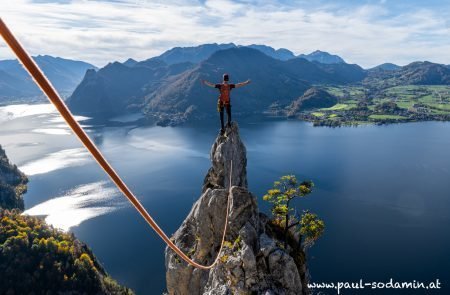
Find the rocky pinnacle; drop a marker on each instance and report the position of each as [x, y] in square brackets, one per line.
[253, 260]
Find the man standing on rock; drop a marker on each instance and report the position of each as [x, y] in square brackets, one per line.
[224, 97]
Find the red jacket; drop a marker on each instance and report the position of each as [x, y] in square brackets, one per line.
[225, 90]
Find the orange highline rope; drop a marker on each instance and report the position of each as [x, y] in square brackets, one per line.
[56, 100]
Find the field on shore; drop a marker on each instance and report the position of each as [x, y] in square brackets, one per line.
[362, 104]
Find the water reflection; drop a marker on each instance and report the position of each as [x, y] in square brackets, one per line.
[55, 161]
[53, 131]
[80, 204]
[11, 112]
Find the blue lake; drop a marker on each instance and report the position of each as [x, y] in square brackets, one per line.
[383, 191]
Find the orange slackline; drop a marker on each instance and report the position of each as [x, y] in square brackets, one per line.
[42, 81]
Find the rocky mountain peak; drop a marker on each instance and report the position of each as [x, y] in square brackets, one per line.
[253, 260]
[227, 148]
[322, 57]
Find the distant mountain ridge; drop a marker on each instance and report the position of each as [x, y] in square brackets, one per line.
[193, 54]
[387, 67]
[197, 54]
[424, 73]
[65, 74]
[322, 57]
[415, 73]
[281, 53]
[130, 62]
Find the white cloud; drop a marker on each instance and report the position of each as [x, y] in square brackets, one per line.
[103, 31]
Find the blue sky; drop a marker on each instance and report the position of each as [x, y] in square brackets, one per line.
[364, 32]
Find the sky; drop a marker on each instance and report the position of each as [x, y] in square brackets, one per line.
[367, 32]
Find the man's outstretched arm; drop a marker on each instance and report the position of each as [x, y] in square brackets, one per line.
[242, 83]
[207, 83]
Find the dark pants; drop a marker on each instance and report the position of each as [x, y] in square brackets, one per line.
[220, 108]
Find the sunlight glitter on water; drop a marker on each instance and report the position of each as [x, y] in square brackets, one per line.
[53, 131]
[78, 205]
[59, 119]
[55, 161]
[16, 111]
[11, 112]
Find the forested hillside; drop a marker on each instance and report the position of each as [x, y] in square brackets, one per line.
[12, 184]
[36, 258]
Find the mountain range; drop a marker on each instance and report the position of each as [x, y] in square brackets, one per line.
[200, 53]
[162, 86]
[65, 74]
[169, 84]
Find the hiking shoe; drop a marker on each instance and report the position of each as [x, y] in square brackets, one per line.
[222, 131]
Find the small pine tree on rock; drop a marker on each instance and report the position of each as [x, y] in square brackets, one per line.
[307, 225]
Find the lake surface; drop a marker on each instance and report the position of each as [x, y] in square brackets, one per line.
[383, 191]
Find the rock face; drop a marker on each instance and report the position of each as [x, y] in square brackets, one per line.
[253, 260]
[224, 150]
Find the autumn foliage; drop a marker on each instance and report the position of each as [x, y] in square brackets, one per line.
[35, 257]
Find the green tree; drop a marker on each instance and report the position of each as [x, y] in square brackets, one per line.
[308, 226]
[311, 228]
